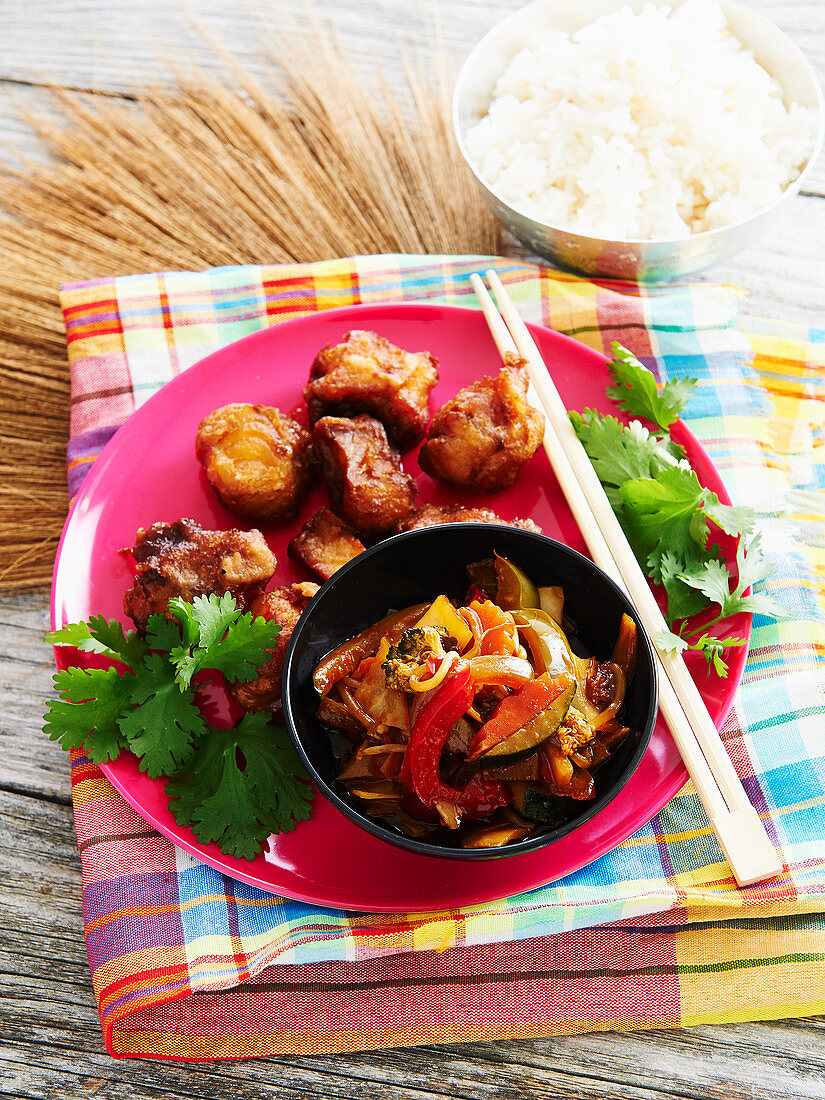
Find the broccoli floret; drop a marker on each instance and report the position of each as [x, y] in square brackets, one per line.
[408, 657]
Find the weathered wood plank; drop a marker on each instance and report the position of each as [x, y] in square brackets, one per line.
[112, 47]
[51, 1035]
[51, 1045]
[126, 46]
[783, 271]
[31, 763]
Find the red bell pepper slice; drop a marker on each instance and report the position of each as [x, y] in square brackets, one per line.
[429, 734]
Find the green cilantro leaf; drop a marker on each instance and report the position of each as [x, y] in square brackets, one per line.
[713, 580]
[274, 769]
[710, 578]
[683, 600]
[671, 512]
[242, 785]
[109, 633]
[218, 637]
[80, 636]
[713, 648]
[637, 392]
[186, 663]
[100, 635]
[666, 513]
[86, 713]
[668, 642]
[162, 633]
[621, 452]
[213, 615]
[164, 723]
[241, 653]
[758, 603]
[750, 561]
[732, 519]
[182, 611]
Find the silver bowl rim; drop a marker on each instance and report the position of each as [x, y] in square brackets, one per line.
[663, 242]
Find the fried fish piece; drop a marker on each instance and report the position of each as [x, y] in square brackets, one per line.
[324, 544]
[481, 438]
[429, 515]
[259, 461]
[367, 374]
[182, 559]
[285, 606]
[366, 484]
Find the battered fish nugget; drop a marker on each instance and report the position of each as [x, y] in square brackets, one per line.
[182, 559]
[432, 514]
[324, 544]
[284, 606]
[366, 484]
[260, 462]
[481, 438]
[367, 374]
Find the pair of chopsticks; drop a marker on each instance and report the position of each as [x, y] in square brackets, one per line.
[737, 825]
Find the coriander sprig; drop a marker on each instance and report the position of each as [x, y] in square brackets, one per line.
[667, 514]
[636, 390]
[241, 786]
[232, 786]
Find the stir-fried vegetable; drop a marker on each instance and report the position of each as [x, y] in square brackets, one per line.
[551, 602]
[481, 710]
[378, 698]
[415, 658]
[480, 795]
[441, 613]
[509, 672]
[523, 721]
[344, 660]
[515, 589]
[547, 642]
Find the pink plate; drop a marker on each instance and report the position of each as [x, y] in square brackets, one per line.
[148, 472]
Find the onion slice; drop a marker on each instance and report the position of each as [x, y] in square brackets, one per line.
[506, 671]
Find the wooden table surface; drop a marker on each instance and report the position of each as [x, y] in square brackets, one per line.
[50, 1043]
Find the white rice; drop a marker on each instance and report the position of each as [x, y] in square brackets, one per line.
[641, 126]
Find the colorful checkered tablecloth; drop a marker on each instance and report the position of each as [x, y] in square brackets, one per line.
[189, 964]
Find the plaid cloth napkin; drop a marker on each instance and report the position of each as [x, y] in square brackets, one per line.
[188, 964]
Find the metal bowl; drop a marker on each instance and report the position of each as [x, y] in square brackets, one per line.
[416, 566]
[637, 260]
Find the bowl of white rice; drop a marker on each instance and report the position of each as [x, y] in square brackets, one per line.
[638, 140]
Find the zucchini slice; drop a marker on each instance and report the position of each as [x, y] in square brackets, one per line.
[532, 735]
[545, 808]
[515, 589]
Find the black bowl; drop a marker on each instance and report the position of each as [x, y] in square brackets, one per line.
[416, 566]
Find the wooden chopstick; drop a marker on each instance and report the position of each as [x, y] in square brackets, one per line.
[739, 830]
[600, 551]
[620, 550]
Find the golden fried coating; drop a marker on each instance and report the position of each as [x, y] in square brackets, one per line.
[432, 514]
[366, 484]
[481, 438]
[259, 461]
[367, 374]
[182, 559]
[283, 605]
[324, 544]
